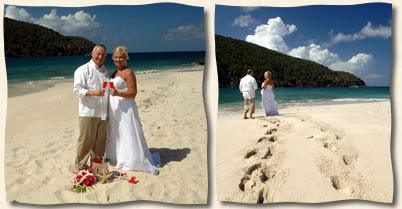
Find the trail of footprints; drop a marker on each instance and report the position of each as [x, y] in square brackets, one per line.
[255, 184]
[339, 169]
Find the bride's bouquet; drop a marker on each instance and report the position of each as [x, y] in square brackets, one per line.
[84, 180]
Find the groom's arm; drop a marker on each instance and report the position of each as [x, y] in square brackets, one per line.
[255, 86]
[80, 89]
[79, 84]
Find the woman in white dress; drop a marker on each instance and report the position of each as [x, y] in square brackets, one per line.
[268, 98]
[126, 147]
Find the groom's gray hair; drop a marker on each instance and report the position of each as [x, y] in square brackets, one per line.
[100, 45]
[249, 71]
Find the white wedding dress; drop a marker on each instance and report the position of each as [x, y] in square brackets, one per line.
[126, 147]
[268, 101]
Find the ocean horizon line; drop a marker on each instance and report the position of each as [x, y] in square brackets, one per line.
[188, 67]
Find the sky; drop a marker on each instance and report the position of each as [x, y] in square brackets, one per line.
[351, 38]
[163, 27]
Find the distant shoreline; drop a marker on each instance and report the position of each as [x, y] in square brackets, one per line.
[229, 110]
[29, 87]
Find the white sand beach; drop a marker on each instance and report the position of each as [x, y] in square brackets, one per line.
[306, 154]
[42, 131]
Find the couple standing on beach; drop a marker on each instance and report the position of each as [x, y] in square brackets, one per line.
[109, 125]
[247, 87]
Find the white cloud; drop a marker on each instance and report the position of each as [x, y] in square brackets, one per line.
[243, 21]
[315, 53]
[248, 9]
[80, 23]
[368, 31]
[357, 64]
[18, 14]
[187, 32]
[379, 31]
[271, 35]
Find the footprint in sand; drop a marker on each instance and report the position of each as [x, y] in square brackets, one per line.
[271, 131]
[21, 164]
[266, 195]
[51, 152]
[251, 153]
[23, 180]
[268, 153]
[349, 160]
[25, 171]
[330, 146]
[92, 197]
[19, 151]
[254, 184]
[271, 138]
[51, 144]
[258, 153]
[340, 185]
[64, 195]
[49, 180]
[42, 163]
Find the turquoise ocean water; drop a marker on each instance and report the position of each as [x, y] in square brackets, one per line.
[63, 67]
[230, 99]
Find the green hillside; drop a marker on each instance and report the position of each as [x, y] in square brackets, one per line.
[23, 39]
[234, 57]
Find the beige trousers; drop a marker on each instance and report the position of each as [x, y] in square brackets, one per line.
[249, 105]
[93, 133]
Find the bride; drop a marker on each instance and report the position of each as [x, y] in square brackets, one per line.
[126, 147]
[268, 98]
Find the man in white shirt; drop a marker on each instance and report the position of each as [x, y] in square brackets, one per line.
[247, 87]
[93, 101]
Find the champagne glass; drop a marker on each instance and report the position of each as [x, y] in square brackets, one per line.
[104, 85]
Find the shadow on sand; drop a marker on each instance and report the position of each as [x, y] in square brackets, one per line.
[170, 155]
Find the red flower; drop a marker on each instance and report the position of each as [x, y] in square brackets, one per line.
[132, 180]
[91, 169]
[96, 160]
[86, 182]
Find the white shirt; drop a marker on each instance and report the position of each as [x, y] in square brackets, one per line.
[91, 77]
[247, 86]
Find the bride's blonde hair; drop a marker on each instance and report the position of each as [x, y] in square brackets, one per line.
[267, 74]
[123, 50]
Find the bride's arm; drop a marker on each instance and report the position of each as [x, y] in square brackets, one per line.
[131, 82]
[264, 85]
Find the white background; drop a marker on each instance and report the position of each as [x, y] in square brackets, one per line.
[211, 100]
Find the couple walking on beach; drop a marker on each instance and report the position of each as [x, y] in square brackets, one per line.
[247, 87]
[109, 123]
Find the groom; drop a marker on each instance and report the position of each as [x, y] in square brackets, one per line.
[93, 101]
[247, 87]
